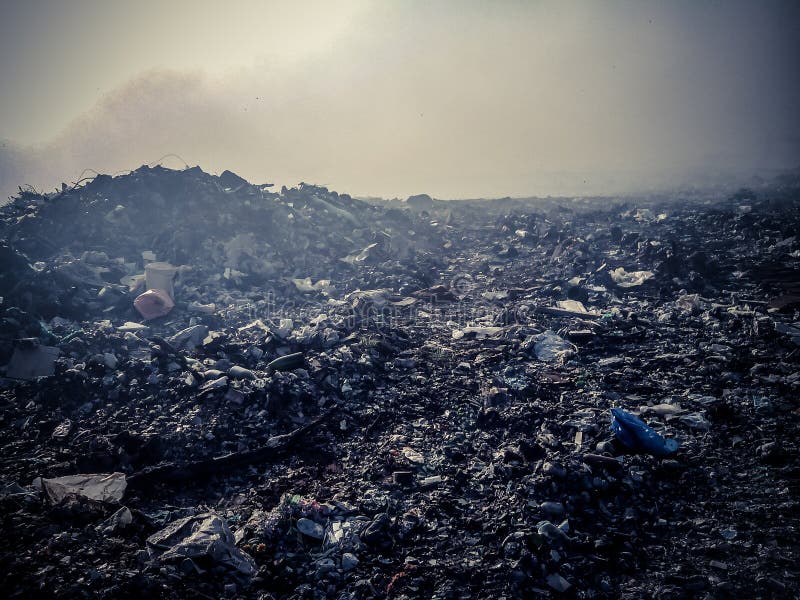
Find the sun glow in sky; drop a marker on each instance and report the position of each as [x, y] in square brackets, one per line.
[456, 99]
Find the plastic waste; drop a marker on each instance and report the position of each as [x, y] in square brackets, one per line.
[119, 520]
[361, 257]
[160, 276]
[62, 430]
[101, 487]
[477, 332]
[283, 329]
[638, 436]
[153, 304]
[206, 535]
[572, 306]
[550, 347]
[202, 309]
[305, 285]
[131, 327]
[190, 337]
[629, 279]
[661, 410]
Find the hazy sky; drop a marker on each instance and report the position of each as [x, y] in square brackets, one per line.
[457, 99]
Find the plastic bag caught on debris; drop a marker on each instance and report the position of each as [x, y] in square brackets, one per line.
[550, 347]
[101, 487]
[638, 436]
[153, 304]
[628, 279]
[206, 535]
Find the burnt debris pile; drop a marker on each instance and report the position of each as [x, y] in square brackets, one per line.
[213, 389]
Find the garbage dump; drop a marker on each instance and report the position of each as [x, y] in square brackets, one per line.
[211, 389]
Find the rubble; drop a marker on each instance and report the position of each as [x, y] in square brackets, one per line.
[397, 399]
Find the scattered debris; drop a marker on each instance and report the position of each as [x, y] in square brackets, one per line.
[331, 398]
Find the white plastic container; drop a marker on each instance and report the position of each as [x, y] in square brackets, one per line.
[160, 276]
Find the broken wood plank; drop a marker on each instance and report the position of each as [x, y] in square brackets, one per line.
[181, 472]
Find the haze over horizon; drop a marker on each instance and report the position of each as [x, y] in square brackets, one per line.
[453, 99]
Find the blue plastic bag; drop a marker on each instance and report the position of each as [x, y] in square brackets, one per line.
[636, 435]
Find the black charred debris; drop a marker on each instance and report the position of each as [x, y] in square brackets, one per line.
[396, 399]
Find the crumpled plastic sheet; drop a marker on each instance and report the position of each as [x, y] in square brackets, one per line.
[628, 279]
[190, 337]
[638, 436]
[305, 285]
[206, 535]
[550, 347]
[102, 487]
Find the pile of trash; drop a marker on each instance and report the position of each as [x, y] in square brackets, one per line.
[213, 389]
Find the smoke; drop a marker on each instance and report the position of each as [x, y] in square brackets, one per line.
[471, 100]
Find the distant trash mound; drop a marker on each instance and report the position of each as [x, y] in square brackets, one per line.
[57, 247]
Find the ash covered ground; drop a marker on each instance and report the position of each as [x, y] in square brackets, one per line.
[397, 399]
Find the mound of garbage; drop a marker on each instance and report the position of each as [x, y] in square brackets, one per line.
[213, 389]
